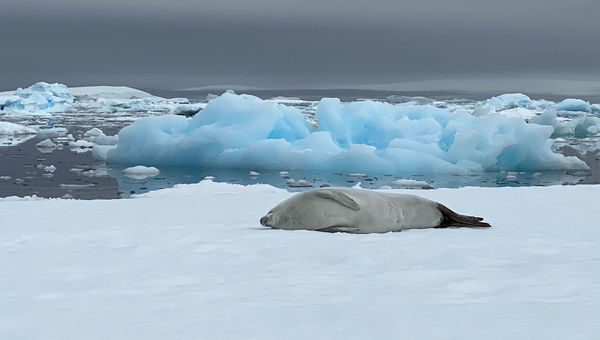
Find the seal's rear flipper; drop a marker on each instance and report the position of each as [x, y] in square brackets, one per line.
[339, 197]
[452, 219]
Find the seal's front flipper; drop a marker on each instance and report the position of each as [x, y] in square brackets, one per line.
[340, 229]
[339, 197]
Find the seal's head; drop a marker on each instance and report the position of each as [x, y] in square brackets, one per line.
[311, 210]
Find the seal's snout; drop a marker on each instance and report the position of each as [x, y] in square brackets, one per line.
[265, 220]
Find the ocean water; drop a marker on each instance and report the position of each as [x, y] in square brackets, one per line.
[24, 172]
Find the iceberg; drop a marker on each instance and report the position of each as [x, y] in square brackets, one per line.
[246, 132]
[572, 104]
[509, 101]
[38, 97]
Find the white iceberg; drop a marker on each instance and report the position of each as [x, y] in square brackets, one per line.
[140, 172]
[243, 131]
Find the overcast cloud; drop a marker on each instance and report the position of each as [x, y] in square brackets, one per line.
[185, 43]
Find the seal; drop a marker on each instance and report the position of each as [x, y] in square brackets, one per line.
[363, 211]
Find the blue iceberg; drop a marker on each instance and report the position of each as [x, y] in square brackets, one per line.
[38, 97]
[246, 132]
[572, 104]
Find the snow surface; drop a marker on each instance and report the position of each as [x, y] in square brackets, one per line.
[192, 262]
[243, 131]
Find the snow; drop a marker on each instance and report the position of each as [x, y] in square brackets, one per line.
[243, 131]
[196, 264]
[140, 172]
[7, 128]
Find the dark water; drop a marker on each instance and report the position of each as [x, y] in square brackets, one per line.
[79, 175]
[23, 169]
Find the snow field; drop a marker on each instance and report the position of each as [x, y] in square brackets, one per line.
[193, 262]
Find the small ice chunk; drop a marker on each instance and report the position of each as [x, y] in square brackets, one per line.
[411, 184]
[93, 132]
[284, 174]
[50, 168]
[209, 178]
[81, 144]
[357, 175]
[140, 172]
[46, 144]
[6, 178]
[254, 174]
[76, 186]
[301, 183]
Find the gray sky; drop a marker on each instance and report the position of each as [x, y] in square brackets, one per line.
[310, 43]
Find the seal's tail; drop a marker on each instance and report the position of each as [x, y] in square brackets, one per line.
[452, 219]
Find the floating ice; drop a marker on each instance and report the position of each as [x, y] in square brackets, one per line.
[50, 168]
[81, 144]
[572, 104]
[38, 97]
[508, 101]
[46, 144]
[243, 131]
[301, 183]
[140, 172]
[97, 136]
[411, 184]
[7, 128]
